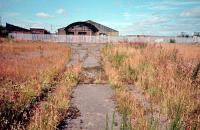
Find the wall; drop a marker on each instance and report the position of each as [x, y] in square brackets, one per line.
[80, 29]
[61, 32]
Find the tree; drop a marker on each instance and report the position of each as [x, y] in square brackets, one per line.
[196, 34]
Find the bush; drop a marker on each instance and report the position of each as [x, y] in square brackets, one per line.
[172, 41]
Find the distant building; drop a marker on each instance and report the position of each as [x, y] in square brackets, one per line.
[15, 29]
[3, 31]
[39, 31]
[87, 28]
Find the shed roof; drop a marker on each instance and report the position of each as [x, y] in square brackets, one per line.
[101, 27]
[91, 26]
[94, 25]
[11, 27]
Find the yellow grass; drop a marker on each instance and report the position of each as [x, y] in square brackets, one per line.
[26, 68]
[22, 60]
[50, 112]
[164, 73]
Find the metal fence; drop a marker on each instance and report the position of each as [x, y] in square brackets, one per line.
[102, 39]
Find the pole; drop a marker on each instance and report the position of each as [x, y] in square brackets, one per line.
[0, 21]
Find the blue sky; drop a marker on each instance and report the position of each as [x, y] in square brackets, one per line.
[150, 17]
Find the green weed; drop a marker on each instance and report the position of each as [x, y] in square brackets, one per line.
[126, 121]
[130, 73]
[177, 123]
[118, 59]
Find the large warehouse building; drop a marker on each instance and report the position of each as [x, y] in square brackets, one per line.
[87, 28]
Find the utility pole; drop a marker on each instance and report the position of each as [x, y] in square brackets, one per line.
[51, 28]
[0, 21]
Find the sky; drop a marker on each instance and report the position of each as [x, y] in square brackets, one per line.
[129, 17]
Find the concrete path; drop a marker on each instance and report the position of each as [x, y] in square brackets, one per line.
[79, 53]
[93, 96]
[94, 102]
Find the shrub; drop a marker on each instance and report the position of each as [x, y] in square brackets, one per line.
[172, 41]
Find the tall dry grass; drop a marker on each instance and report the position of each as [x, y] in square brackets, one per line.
[50, 112]
[25, 69]
[165, 73]
[21, 60]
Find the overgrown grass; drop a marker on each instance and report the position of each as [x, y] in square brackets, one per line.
[117, 59]
[167, 73]
[27, 68]
[50, 112]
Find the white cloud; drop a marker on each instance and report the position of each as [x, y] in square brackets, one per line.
[162, 25]
[152, 20]
[167, 4]
[194, 12]
[157, 20]
[126, 14]
[149, 25]
[61, 11]
[12, 14]
[44, 15]
[116, 24]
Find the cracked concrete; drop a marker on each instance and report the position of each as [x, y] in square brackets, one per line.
[92, 96]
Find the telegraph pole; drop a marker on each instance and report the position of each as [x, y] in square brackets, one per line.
[0, 21]
[51, 28]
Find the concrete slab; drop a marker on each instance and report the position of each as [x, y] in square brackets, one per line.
[91, 62]
[94, 102]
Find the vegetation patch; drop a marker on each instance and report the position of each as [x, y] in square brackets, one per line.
[118, 59]
[51, 112]
[29, 71]
[169, 76]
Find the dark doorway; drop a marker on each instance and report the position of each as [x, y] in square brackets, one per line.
[82, 33]
[70, 33]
